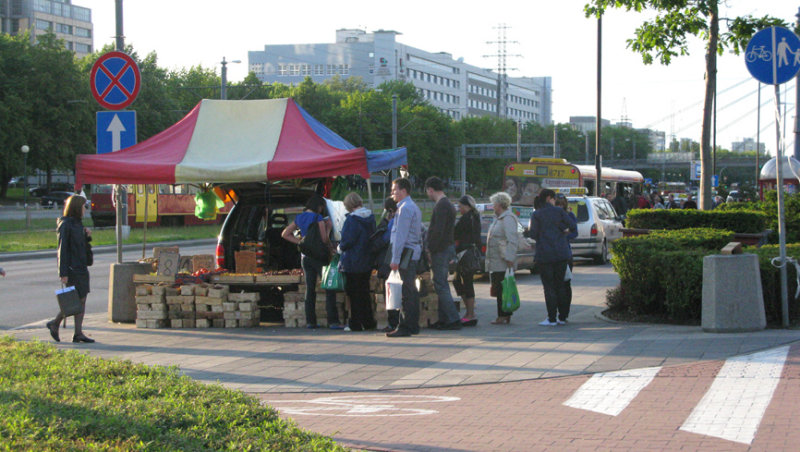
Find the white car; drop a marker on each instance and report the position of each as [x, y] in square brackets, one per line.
[598, 226]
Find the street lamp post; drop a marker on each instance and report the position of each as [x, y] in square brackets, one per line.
[223, 94]
[25, 149]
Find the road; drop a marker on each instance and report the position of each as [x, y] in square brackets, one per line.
[27, 290]
[18, 213]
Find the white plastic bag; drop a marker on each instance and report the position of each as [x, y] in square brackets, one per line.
[394, 291]
[568, 274]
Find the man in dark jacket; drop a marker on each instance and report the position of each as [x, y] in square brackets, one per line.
[550, 227]
[441, 247]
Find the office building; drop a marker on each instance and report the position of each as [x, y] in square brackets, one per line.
[748, 145]
[451, 85]
[587, 124]
[69, 22]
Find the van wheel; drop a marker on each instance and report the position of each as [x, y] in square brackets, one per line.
[602, 258]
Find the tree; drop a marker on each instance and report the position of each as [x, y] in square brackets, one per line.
[665, 37]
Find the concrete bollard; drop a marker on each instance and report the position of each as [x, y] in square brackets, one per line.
[732, 297]
[122, 292]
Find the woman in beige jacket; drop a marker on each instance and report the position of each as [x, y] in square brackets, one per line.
[501, 249]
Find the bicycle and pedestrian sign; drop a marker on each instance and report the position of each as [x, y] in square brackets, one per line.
[773, 55]
[115, 80]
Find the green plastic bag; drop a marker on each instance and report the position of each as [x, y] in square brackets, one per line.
[332, 278]
[510, 293]
[207, 205]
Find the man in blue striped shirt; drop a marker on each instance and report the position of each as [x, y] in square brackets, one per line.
[406, 243]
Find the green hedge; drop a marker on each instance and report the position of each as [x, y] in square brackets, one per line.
[661, 275]
[770, 281]
[741, 221]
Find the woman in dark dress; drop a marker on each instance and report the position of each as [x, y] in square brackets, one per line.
[467, 234]
[73, 263]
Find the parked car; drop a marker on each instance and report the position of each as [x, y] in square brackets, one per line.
[55, 199]
[40, 191]
[598, 226]
[735, 196]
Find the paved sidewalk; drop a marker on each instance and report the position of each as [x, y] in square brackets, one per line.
[484, 388]
[278, 359]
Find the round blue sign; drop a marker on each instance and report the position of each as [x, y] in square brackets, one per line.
[773, 55]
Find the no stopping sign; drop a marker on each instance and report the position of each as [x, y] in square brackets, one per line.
[115, 80]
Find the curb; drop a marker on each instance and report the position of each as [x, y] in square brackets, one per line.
[104, 249]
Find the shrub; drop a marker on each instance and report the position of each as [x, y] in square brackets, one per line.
[661, 273]
[741, 221]
[769, 206]
[771, 285]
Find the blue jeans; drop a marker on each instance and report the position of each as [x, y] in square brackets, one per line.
[440, 266]
[313, 269]
[409, 314]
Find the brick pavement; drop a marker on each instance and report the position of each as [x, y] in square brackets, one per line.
[531, 415]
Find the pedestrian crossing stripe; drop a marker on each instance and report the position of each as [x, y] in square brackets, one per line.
[611, 392]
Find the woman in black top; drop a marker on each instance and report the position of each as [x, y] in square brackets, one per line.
[467, 234]
[73, 261]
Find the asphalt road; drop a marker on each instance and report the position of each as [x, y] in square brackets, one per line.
[27, 291]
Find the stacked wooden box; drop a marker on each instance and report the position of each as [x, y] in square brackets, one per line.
[195, 306]
[180, 305]
[151, 309]
[294, 308]
[294, 312]
[428, 301]
[208, 307]
[241, 310]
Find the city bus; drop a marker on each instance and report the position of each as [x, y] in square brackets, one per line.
[523, 180]
[167, 205]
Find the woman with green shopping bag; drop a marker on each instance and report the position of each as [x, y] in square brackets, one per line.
[501, 250]
[355, 262]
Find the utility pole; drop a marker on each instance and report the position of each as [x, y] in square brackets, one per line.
[502, 73]
[597, 157]
[556, 152]
[519, 140]
[758, 135]
[394, 130]
[121, 196]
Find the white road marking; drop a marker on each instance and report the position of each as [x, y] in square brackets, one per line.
[36, 324]
[735, 403]
[360, 405]
[611, 392]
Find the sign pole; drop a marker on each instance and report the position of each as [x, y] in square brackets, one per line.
[781, 213]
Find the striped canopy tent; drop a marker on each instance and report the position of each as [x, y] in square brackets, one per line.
[236, 141]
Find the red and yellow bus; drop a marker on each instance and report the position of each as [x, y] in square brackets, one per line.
[167, 205]
[523, 180]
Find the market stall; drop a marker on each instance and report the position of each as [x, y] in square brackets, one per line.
[225, 142]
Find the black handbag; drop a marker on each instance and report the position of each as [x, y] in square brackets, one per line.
[69, 301]
[311, 245]
[470, 260]
[89, 252]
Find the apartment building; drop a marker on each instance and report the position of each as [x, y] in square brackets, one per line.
[69, 22]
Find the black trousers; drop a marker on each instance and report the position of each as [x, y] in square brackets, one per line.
[497, 289]
[356, 287]
[555, 291]
[463, 282]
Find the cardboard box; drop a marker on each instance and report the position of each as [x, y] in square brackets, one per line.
[244, 296]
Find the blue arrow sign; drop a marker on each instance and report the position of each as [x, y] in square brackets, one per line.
[115, 130]
[773, 55]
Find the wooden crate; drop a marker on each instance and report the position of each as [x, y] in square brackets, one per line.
[152, 278]
[279, 279]
[227, 278]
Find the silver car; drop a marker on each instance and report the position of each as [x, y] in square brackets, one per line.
[598, 226]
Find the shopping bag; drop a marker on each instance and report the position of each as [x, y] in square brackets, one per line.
[394, 291]
[510, 293]
[69, 301]
[332, 278]
[568, 274]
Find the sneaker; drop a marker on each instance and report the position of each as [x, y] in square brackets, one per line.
[562, 322]
[547, 322]
[347, 329]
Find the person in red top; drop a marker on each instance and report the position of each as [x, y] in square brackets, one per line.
[642, 202]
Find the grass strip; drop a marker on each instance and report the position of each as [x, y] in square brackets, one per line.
[46, 239]
[52, 400]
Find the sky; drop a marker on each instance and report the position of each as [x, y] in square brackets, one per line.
[553, 38]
